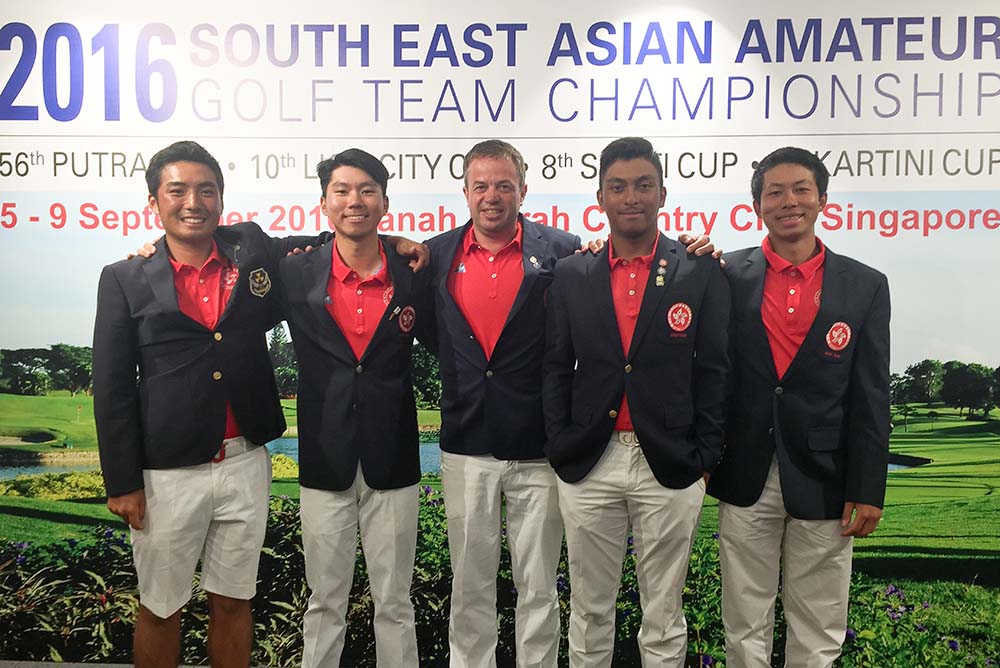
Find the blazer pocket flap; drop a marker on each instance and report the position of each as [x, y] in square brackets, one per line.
[824, 440]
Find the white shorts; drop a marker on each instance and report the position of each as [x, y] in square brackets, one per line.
[216, 512]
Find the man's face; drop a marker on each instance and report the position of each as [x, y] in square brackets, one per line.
[354, 203]
[789, 202]
[494, 192]
[631, 194]
[188, 202]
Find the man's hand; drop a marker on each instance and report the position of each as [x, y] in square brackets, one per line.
[593, 246]
[148, 250]
[419, 254]
[865, 519]
[299, 251]
[130, 507]
[701, 245]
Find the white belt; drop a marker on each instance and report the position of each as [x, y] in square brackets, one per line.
[232, 447]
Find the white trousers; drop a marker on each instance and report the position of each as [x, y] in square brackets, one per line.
[816, 564]
[620, 492]
[475, 488]
[388, 522]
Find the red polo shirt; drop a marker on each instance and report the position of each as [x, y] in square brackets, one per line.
[791, 300]
[202, 295]
[484, 285]
[628, 283]
[357, 304]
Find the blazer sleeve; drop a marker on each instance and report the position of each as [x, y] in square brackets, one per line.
[868, 405]
[558, 363]
[116, 391]
[712, 369]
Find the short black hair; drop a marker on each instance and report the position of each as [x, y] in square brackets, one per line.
[494, 148]
[789, 155]
[182, 151]
[353, 157]
[629, 148]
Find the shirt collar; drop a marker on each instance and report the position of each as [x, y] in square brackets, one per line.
[469, 239]
[215, 256]
[780, 264]
[340, 271]
[646, 260]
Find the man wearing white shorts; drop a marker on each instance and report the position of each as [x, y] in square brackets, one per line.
[184, 395]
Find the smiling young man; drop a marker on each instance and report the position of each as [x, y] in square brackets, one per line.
[634, 384]
[807, 435]
[354, 307]
[184, 396]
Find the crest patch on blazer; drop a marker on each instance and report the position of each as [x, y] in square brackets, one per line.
[387, 295]
[679, 317]
[260, 282]
[406, 318]
[839, 336]
[229, 277]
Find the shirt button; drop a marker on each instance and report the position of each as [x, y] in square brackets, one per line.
[770, 431]
[792, 291]
[217, 336]
[492, 258]
[791, 310]
[216, 375]
[353, 275]
[779, 390]
[631, 275]
[489, 373]
[359, 369]
[628, 368]
[205, 298]
[631, 292]
[612, 413]
[361, 310]
[493, 275]
[201, 281]
[360, 292]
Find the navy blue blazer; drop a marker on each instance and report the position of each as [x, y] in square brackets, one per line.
[355, 410]
[494, 407]
[827, 419]
[162, 380]
[675, 377]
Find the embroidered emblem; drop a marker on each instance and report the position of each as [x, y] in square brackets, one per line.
[387, 295]
[679, 317]
[406, 318]
[260, 282]
[660, 281]
[839, 336]
[461, 268]
[817, 296]
[662, 262]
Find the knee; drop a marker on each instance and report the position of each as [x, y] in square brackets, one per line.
[224, 607]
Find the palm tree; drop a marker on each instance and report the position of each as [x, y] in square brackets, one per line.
[906, 411]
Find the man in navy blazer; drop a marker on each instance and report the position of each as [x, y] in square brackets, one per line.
[354, 307]
[489, 279]
[184, 396]
[635, 373]
[807, 435]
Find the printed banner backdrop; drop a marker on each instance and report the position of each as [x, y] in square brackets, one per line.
[902, 106]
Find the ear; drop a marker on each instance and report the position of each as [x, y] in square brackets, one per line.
[524, 191]
[153, 205]
[663, 195]
[600, 199]
[322, 205]
[822, 202]
[385, 205]
[756, 208]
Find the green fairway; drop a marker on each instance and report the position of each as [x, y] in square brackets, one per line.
[942, 520]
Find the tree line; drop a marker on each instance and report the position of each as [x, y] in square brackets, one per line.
[972, 388]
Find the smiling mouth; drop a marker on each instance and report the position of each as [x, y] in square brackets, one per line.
[790, 220]
[356, 218]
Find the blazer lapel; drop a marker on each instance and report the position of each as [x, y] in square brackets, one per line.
[401, 275]
[599, 284]
[653, 294]
[532, 248]
[161, 278]
[315, 277]
[754, 272]
[229, 250]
